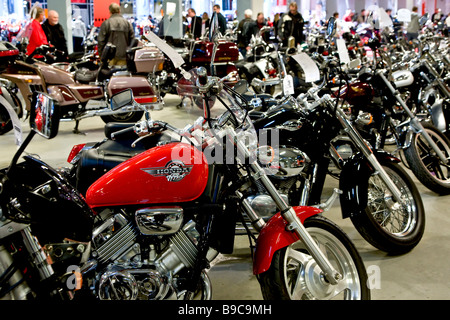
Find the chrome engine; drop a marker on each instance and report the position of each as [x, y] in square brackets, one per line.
[127, 275]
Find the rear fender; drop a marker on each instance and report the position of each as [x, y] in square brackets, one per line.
[274, 236]
[354, 181]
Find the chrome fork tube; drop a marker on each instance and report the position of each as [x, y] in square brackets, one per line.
[414, 121]
[367, 152]
[37, 254]
[289, 214]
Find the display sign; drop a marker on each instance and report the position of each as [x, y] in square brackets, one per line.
[309, 67]
[404, 15]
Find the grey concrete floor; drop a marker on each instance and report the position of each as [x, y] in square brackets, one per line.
[418, 275]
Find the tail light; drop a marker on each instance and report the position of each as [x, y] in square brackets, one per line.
[74, 153]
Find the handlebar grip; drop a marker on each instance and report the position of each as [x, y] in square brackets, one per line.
[121, 132]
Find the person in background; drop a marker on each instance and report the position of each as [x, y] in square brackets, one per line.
[276, 20]
[221, 19]
[35, 33]
[118, 31]
[79, 33]
[292, 25]
[242, 32]
[362, 17]
[447, 25]
[338, 25]
[348, 17]
[195, 27]
[436, 16]
[55, 35]
[205, 22]
[261, 22]
[412, 31]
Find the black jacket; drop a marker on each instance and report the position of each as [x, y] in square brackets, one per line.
[196, 27]
[246, 28]
[291, 25]
[55, 36]
[222, 23]
[119, 32]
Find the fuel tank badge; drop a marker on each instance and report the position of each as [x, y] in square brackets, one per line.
[174, 171]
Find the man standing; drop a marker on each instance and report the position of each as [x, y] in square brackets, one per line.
[55, 35]
[243, 33]
[412, 31]
[292, 26]
[221, 19]
[195, 27]
[118, 31]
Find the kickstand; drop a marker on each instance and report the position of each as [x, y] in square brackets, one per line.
[75, 130]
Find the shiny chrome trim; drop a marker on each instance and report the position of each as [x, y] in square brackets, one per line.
[159, 220]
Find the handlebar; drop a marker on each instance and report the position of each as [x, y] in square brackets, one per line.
[116, 134]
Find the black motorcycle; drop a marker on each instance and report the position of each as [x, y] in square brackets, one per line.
[380, 112]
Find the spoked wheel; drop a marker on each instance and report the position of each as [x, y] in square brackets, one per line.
[388, 225]
[425, 163]
[133, 116]
[294, 274]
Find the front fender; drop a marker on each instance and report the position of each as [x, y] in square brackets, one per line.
[354, 181]
[274, 237]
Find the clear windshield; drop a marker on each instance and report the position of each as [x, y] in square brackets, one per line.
[234, 110]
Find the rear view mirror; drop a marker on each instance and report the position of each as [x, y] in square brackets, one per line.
[122, 99]
[44, 115]
[423, 19]
[331, 28]
[241, 86]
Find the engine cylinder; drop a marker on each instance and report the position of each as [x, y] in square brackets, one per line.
[21, 291]
[182, 251]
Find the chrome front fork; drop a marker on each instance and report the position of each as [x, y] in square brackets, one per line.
[415, 123]
[367, 152]
[289, 214]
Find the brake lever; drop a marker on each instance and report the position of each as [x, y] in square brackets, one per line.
[145, 129]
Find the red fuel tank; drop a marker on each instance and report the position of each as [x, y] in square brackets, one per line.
[175, 172]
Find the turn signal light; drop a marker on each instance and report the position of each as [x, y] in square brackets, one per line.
[75, 151]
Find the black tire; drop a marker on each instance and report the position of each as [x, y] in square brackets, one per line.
[425, 164]
[133, 116]
[5, 120]
[340, 251]
[386, 224]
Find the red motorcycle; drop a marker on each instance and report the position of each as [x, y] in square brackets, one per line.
[149, 228]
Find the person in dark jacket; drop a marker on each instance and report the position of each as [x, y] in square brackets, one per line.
[195, 27]
[221, 19]
[244, 32]
[291, 25]
[118, 31]
[55, 35]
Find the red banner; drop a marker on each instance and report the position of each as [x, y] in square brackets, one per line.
[101, 11]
